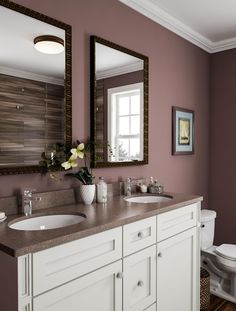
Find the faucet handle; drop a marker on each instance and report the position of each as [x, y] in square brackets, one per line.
[28, 191]
[37, 198]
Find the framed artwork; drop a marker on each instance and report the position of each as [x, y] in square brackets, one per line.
[182, 131]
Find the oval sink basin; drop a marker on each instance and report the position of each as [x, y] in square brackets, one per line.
[47, 222]
[148, 199]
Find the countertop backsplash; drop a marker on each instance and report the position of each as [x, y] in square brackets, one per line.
[12, 205]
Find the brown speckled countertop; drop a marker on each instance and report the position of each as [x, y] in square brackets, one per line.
[99, 218]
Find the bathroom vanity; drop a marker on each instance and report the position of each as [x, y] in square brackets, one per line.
[123, 257]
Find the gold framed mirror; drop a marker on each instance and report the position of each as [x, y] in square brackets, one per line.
[119, 105]
[35, 88]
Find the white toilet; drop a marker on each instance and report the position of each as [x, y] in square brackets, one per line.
[219, 261]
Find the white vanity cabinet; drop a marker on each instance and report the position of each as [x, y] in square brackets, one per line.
[148, 265]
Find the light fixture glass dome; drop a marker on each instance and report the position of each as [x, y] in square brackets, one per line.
[49, 44]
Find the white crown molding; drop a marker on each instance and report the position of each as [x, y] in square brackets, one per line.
[158, 15]
[29, 75]
[103, 74]
[223, 45]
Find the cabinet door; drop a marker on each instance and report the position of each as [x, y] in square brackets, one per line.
[139, 289]
[177, 272]
[100, 290]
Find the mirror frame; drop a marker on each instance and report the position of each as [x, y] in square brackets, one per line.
[93, 41]
[67, 85]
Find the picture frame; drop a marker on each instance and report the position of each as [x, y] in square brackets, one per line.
[182, 131]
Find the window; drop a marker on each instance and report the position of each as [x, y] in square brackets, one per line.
[125, 122]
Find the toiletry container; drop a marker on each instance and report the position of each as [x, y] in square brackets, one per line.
[101, 191]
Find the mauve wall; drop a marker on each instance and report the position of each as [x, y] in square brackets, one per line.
[222, 177]
[179, 75]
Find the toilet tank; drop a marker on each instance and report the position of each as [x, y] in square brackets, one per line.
[207, 228]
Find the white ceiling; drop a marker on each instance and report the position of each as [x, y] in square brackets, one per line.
[209, 24]
[17, 53]
[111, 62]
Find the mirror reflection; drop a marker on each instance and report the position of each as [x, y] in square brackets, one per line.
[118, 105]
[32, 90]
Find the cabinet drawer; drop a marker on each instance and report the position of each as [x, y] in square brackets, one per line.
[60, 264]
[100, 290]
[176, 221]
[139, 284]
[139, 235]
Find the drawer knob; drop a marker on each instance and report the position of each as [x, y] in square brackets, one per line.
[119, 275]
[140, 283]
[140, 234]
[159, 255]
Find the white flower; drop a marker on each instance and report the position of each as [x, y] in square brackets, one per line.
[75, 153]
[70, 163]
[79, 151]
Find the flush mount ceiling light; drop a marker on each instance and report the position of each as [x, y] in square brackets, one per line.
[49, 44]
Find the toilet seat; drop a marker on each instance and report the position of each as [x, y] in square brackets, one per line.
[226, 257]
[227, 251]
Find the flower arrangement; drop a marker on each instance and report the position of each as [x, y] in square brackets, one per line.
[60, 158]
[84, 174]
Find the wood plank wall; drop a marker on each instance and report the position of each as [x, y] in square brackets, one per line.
[31, 118]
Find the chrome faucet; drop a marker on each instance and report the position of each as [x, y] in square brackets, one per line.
[130, 185]
[27, 199]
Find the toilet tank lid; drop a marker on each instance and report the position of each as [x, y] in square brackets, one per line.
[207, 215]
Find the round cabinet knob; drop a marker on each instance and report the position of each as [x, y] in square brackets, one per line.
[140, 234]
[119, 275]
[140, 283]
[203, 226]
[159, 255]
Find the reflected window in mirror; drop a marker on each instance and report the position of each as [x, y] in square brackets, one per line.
[125, 122]
[119, 93]
[35, 89]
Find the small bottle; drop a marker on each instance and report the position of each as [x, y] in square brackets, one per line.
[150, 185]
[143, 188]
[101, 191]
[128, 186]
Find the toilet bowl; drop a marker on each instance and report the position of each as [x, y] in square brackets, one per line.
[220, 261]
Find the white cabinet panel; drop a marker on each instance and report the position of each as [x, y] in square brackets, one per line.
[24, 268]
[152, 308]
[177, 272]
[60, 264]
[176, 221]
[24, 306]
[139, 286]
[98, 291]
[138, 235]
